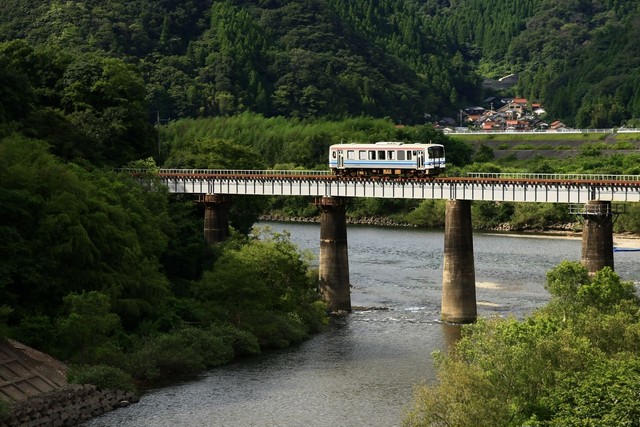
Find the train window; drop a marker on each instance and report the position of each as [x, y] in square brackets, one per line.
[333, 154]
[391, 155]
[351, 154]
[372, 155]
[362, 155]
[408, 155]
[381, 155]
[400, 155]
[436, 151]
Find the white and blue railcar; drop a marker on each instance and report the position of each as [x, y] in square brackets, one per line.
[387, 159]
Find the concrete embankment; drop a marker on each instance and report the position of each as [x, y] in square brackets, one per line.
[68, 406]
[35, 387]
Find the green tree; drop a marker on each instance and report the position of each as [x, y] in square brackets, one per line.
[216, 153]
[574, 362]
[16, 94]
[605, 291]
[75, 230]
[90, 327]
[105, 99]
[265, 287]
[604, 396]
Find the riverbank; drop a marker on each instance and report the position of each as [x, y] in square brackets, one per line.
[566, 230]
[376, 221]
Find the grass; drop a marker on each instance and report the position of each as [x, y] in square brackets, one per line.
[542, 136]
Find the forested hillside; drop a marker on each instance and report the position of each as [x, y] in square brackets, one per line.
[579, 57]
[403, 59]
[205, 58]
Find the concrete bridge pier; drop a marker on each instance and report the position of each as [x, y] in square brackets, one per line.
[216, 217]
[334, 259]
[459, 276]
[597, 236]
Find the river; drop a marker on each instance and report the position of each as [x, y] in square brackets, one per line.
[361, 370]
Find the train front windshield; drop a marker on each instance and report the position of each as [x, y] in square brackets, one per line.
[436, 152]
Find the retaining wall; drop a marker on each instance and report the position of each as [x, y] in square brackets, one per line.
[69, 406]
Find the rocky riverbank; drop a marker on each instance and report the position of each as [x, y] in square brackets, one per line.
[380, 221]
[69, 406]
[572, 227]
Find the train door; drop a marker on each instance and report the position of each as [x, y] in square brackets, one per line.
[340, 159]
[420, 159]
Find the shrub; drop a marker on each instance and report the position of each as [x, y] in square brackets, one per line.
[486, 215]
[277, 330]
[243, 342]
[185, 351]
[36, 331]
[430, 213]
[102, 376]
[315, 317]
[524, 147]
[624, 145]
[484, 153]
[605, 395]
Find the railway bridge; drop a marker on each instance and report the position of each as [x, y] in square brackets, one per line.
[594, 197]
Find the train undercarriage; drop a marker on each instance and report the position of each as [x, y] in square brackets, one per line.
[385, 173]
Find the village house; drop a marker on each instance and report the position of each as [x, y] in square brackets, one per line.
[515, 109]
[502, 114]
[557, 125]
[513, 114]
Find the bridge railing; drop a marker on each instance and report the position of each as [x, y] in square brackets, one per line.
[555, 176]
[597, 209]
[226, 172]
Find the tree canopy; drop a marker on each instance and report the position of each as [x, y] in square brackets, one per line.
[572, 363]
[336, 59]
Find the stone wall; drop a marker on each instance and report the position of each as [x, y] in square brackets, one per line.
[69, 406]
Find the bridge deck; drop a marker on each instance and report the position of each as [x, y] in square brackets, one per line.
[487, 187]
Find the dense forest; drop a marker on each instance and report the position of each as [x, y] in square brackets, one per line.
[409, 60]
[117, 280]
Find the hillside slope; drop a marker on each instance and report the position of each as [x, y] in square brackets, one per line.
[409, 60]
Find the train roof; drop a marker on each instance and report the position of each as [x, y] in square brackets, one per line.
[382, 144]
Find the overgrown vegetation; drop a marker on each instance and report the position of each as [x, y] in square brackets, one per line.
[575, 362]
[96, 269]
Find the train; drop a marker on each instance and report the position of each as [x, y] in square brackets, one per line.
[384, 158]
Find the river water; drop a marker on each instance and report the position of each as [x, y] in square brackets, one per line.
[361, 370]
